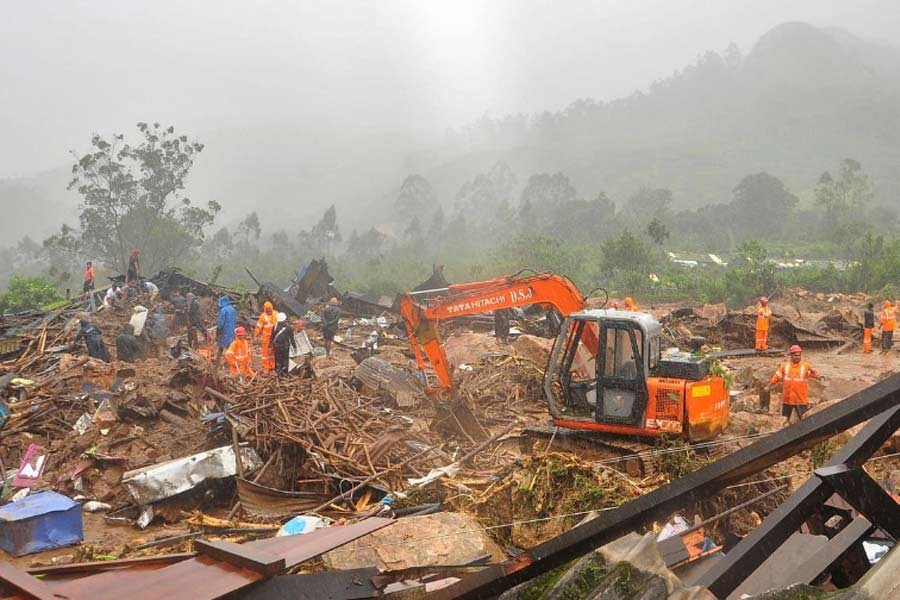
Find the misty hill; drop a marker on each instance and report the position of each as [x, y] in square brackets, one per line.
[800, 100]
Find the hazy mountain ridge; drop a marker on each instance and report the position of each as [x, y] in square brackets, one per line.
[799, 101]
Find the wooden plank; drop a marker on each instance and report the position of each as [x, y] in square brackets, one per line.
[849, 536]
[205, 578]
[26, 585]
[723, 577]
[865, 495]
[241, 556]
[105, 565]
[778, 570]
[661, 502]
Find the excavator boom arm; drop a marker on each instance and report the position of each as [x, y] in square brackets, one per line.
[421, 318]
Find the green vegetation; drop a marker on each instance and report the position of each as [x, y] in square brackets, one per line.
[26, 293]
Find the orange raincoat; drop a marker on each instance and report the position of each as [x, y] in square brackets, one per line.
[763, 317]
[630, 305]
[794, 385]
[238, 357]
[264, 328]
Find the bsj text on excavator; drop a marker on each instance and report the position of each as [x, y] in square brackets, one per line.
[606, 371]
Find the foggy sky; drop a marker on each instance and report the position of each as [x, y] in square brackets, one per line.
[72, 68]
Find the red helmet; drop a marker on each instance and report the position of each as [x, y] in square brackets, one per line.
[795, 349]
[135, 252]
[240, 331]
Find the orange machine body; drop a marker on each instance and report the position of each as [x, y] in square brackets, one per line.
[696, 409]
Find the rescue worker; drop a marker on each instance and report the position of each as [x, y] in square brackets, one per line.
[630, 305]
[93, 340]
[134, 267]
[159, 331]
[282, 344]
[194, 319]
[225, 325]
[331, 316]
[88, 279]
[793, 376]
[128, 347]
[763, 317]
[179, 307]
[888, 324]
[150, 288]
[501, 325]
[239, 353]
[112, 296]
[868, 326]
[264, 327]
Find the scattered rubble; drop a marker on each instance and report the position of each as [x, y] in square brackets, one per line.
[173, 445]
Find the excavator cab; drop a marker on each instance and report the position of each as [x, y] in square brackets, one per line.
[605, 374]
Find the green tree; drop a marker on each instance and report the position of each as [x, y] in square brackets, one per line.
[626, 253]
[132, 197]
[846, 198]
[657, 231]
[762, 207]
[250, 227]
[750, 274]
[26, 293]
[415, 197]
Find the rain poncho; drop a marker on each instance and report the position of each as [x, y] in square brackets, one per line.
[226, 323]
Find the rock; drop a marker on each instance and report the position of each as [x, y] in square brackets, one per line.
[467, 348]
[535, 349]
[417, 541]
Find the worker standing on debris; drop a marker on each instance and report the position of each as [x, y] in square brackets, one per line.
[179, 307]
[159, 332]
[128, 347]
[225, 325]
[88, 279]
[501, 325]
[238, 354]
[194, 319]
[282, 344]
[264, 327]
[331, 316]
[134, 267]
[93, 340]
[793, 376]
[868, 326]
[630, 305]
[763, 317]
[888, 324]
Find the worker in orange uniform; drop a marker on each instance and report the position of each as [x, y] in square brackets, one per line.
[630, 305]
[793, 376]
[88, 279]
[763, 317]
[868, 326]
[888, 325]
[238, 354]
[264, 327]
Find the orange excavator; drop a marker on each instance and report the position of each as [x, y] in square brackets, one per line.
[605, 371]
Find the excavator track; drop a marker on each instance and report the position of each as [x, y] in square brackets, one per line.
[625, 454]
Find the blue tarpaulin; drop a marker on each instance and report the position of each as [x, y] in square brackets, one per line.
[39, 522]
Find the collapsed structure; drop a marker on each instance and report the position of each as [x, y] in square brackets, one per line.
[193, 472]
